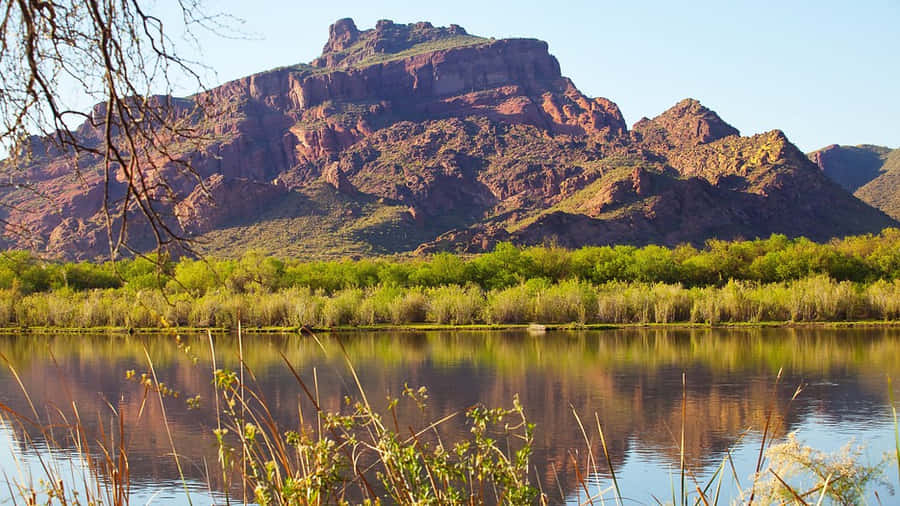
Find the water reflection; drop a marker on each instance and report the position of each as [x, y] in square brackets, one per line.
[631, 379]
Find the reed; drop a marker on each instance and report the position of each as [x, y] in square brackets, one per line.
[331, 456]
[341, 309]
[305, 307]
[99, 472]
[377, 305]
[509, 305]
[566, 302]
[896, 427]
[410, 307]
[883, 297]
[454, 305]
[812, 299]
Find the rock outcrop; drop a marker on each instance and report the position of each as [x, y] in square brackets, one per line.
[219, 201]
[347, 46]
[688, 123]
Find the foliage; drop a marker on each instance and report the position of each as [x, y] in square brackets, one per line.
[796, 470]
[321, 466]
[774, 279]
[861, 259]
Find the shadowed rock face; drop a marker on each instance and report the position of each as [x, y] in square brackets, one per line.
[413, 137]
[872, 173]
[219, 201]
[850, 166]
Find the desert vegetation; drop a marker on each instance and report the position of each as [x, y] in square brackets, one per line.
[775, 279]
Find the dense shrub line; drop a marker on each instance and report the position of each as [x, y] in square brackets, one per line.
[817, 298]
[774, 279]
[860, 259]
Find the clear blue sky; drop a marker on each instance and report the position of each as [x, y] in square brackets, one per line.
[823, 71]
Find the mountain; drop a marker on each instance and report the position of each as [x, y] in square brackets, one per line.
[872, 173]
[410, 137]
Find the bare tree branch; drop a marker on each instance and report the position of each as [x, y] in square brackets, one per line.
[117, 54]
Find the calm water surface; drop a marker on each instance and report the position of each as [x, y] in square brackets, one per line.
[631, 379]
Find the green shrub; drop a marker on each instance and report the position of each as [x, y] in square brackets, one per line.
[340, 309]
[858, 259]
[567, 302]
[454, 305]
[510, 305]
[411, 307]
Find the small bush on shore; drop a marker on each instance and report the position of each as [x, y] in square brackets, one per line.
[454, 305]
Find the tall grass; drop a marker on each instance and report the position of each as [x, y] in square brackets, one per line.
[454, 305]
[566, 302]
[509, 305]
[99, 473]
[816, 298]
[882, 297]
[342, 308]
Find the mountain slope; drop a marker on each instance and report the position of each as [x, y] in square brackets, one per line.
[415, 137]
[697, 178]
[872, 173]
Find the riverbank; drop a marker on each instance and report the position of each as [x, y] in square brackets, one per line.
[568, 303]
[531, 328]
[768, 280]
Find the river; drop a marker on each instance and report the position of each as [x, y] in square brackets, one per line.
[628, 380]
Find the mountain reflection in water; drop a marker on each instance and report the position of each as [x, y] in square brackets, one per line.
[631, 379]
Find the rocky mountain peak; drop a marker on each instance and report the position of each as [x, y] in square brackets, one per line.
[348, 46]
[341, 35]
[687, 123]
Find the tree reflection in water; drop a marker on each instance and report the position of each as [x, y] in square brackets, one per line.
[630, 378]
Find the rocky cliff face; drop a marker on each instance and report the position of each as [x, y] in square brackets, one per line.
[413, 137]
[872, 173]
[347, 46]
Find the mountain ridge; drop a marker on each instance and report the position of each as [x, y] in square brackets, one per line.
[406, 138]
